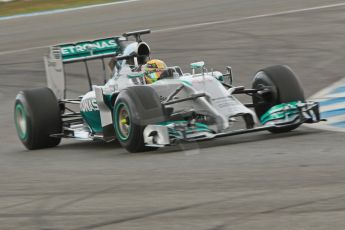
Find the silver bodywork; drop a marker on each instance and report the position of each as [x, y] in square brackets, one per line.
[217, 103]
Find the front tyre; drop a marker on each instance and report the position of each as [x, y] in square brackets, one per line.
[284, 87]
[136, 107]
[36, 117]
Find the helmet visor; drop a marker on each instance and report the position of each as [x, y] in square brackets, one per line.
[154, 75]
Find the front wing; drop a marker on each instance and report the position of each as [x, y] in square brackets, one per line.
[280, 116]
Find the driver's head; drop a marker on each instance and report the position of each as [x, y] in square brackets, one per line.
[153, 70]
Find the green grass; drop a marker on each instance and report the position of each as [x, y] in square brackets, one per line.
[29, 6]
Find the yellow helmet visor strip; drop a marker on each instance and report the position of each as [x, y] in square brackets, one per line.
[153, 76]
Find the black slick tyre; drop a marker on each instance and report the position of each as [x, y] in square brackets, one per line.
[284, 87]
[136, 107]
[37, 116]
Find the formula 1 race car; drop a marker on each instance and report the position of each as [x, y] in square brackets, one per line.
[178, 107]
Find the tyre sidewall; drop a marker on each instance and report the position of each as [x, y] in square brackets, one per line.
[135, 138]
[28, 139]
[43, 118]
[143, 111]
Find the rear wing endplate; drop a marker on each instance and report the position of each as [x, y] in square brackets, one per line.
[62, 54]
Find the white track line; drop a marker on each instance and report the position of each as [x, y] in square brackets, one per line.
[322, 94]
[252, 17]
[23, 50]
[64, 10]
[209, 23]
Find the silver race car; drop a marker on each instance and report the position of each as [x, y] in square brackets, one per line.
[178, 107]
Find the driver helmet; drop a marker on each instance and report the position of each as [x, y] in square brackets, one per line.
[153, 70]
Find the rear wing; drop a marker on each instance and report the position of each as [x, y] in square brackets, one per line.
[83, 51]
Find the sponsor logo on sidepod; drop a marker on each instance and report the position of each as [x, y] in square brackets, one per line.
[89, 105]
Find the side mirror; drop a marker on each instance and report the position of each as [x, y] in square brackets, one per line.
[197, 65]
[228, 79]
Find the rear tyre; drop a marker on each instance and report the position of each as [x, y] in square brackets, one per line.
[136, 107]
[285, 87]
[36, 117]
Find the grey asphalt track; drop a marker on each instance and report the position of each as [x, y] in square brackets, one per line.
[290, 181]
